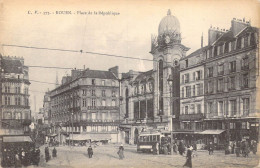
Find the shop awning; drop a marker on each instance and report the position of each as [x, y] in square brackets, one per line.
[211, 132]
[52, 135]
[92, 137]
[183, 132]
[17, 139]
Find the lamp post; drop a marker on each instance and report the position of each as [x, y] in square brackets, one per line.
[170, 81]
[72, 117]
[1, 77]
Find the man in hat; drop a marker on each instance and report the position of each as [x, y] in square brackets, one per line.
[90, 151]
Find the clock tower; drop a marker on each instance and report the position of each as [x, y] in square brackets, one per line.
[167, 50]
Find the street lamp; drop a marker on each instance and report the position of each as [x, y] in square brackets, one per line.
[170, 81]
[72, 117]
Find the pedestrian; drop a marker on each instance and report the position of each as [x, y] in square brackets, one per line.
[233, 147]
[47, 154]
[18, 162]
[237, 149]
[254, 147]
[165, 149]
[247, 149]
[211, 148]
[195, 149]
[188, 162]
[90, 151]
[181, 147]
[156, 149]
[54, 152]
[121, 152]
[175, 147]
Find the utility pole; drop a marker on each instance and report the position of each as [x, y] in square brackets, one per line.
[1, 79]
[170, 81]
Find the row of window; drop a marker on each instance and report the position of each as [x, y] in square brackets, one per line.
[93, 92]
[231, 67]
[94, 116]
[215, 125]
[194, 90]
[17, 101]
[143, 88]
[198, 75]
[103, 82]
[7, 89]
[241, 42]
[16, 115]
[94, 128]
[103, 102]
[229, 83]
[192, 109]
[229, 108]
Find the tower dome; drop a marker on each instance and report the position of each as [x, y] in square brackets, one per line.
[169, 24]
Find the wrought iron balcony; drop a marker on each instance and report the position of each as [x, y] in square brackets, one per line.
[103, 107]
[191, 117]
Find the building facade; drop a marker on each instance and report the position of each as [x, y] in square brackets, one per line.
[219, 86]
[231, 72]
[192, 94]
[152, 100]
[15, 107]
[47, 107]
[87, 103]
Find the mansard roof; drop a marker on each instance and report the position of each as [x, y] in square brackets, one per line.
[12, 66]
[98, 74]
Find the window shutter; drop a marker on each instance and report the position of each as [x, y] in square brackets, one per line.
[188, 76]
[229, 66]
[194, 76]
[182, 79]
[201, 74]
[241, 81]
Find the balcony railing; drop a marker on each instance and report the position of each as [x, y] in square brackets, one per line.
[103, 107]
[192, 117]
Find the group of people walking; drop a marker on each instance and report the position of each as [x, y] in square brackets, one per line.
[243, 148]
[120, 152]
[47, 153]
[20, 156]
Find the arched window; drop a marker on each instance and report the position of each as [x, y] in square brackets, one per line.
[126, 103]
[161, 87]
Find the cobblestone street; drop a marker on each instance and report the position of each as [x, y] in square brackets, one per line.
[106, 156]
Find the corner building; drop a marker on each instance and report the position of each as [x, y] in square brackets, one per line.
[86, 106]
[15, 108]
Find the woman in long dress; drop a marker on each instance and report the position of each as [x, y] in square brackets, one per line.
[188, 158]
[121, 152]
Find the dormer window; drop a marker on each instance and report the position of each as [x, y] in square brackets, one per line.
[229, 46]
[239, 43]
[186, 63]
[93, 81]
[215, 51]
[226, 49]
[242, 43]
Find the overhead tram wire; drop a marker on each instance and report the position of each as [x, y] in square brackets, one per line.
[81, 51]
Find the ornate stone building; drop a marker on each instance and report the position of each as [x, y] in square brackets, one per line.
[152, 102]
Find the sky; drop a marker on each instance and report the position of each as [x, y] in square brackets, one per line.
[127, 32]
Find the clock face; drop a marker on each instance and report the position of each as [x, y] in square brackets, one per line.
[167, 39]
